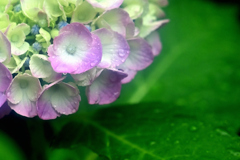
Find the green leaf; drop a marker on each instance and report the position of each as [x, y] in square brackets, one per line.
[153, 131]
[8, 147]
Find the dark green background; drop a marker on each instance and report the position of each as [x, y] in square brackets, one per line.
[185, 106]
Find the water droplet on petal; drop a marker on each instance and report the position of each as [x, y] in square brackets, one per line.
[121, 53]
[94, 63]
[152, 143]
[116, 93]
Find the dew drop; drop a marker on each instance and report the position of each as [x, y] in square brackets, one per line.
[235, 153]
[222, 132]
[152, 143]
[8, 93]
[116, 93]
[92, 64]
[121, 53]
[193, 128]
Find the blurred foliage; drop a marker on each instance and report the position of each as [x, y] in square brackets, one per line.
[185, 106]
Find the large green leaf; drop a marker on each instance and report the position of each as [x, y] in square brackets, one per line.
[152, 131]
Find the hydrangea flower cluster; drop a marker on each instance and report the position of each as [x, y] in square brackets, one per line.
[48, 48]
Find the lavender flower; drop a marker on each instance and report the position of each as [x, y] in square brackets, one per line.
[23, 93]
[75, 50]
[56, 99]
[100, 44]
[106, 87]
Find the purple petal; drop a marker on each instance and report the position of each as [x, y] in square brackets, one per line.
[131, 74]
[75, 50]
[23, 93]
[140, 56]
[115, 48]
[25, 107]
[67, 102]
[105, 4]
[106, 88]
[118, 20]
[154, 40]
[58, 98]
[4, 110]
[3, 99]
[44, 106]
[5, 78]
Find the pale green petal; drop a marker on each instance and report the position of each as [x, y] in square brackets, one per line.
[23, 27]
[4, 5]
[16, 37]
[16, 69]
[17, 59]
[84, 13]
[11, 65]
[43, 36]
[40, 66]
[155, 12]
[65, 98]
[14, 93]
[31, 8]
[5, 49]
[145, 30]
[20, 50]
[23, 93]
[4, 22]
[118, 20]
[136, 8]
[52, 8]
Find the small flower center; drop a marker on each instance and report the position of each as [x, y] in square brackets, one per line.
[35, 29]
[17, 8]
[37, 46]
[71, 49]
